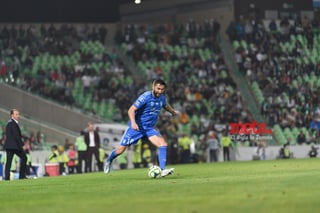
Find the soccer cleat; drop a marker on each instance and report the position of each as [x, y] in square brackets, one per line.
[167, 172]
[107, 167]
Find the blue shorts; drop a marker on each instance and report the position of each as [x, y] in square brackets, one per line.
[132, 136]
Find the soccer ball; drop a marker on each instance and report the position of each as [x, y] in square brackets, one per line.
[154, 171]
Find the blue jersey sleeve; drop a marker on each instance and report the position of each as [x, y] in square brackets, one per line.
[141, 100]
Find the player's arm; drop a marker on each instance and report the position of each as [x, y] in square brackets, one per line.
[170, 109]
[131, 114]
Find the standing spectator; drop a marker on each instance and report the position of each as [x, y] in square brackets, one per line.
[185, 142]
[301, 138]
[92, 140]
[123, 160]
[14, 164]
[146, 155]
[27, 145]
[73, 159]
[136, 157]
[213, 146]
[32, 140]
[102, 155]
[261, 150]
[40, 137]
[3, 68]
[67, 144]
[29, 166]
[226, 145]
[153, 149]
[81, 148]
[86, 82]
[14, 145]
[173, 151]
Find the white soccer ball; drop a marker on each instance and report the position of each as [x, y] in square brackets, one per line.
[154, 171]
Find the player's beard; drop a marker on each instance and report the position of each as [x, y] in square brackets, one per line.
[156, 94]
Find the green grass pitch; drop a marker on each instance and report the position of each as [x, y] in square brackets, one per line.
[253, 186]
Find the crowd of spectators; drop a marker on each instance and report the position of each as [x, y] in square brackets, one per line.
[22, 45]
[282, 57]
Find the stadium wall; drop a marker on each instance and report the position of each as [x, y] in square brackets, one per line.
[35, 107]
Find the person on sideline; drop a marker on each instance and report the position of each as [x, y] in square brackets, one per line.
[81, 148]
[213, 146]
[73, 159]
[226, 145]
[136, 156]
[14, 145]
[53, 156]
[14, 164]
[143, 115]
[62, 160]
[92, 139]
[184, 142]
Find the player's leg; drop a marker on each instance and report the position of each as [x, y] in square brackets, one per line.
[160, 142]
[156, 139]
[115, 153]
[129, 137]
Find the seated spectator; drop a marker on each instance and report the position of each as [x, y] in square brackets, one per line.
[284, 152]
[301, 138]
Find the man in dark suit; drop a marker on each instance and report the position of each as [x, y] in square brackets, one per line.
[92, 139]
[14, 145]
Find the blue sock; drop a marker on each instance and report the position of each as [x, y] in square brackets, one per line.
[162, 157]
[112, 156]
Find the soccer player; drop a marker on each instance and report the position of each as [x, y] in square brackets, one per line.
[143, 115]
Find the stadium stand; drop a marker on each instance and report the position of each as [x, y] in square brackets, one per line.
[280, 61]
[51, 61]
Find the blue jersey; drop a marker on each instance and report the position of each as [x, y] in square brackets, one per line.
[148, 109]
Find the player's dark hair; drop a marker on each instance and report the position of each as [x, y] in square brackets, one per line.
[159, 81]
